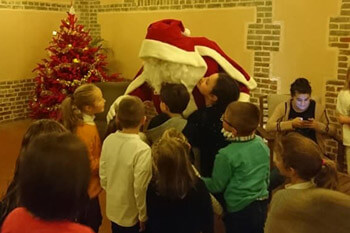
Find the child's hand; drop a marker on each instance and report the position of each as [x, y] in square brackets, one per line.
[142, 226]
[297, 122]
[311, 124]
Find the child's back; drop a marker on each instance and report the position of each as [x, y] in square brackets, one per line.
[248, 164]
[241, 170]
[174, 100]
[126, 169]
[125, 157]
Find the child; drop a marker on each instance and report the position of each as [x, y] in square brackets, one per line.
[301, 114]
[126, 169]
[11, 198]
[300, 159]
[343, 109]
[301, 207]
[53, 179]
[78, 113]
[203, 128]
[177, 200]
[241, 170]
[174, 100]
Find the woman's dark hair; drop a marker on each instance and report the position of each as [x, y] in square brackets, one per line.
[226, 90]
[11, 198]
[54, 174]
[300, 85]
[306, 158]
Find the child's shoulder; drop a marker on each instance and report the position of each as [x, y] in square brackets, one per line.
[237, 147]
[344, 94]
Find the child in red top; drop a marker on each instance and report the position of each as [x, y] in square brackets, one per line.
[53, 179]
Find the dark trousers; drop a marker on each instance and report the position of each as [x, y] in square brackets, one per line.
[90, 214]
[249, 220]
[119, 229]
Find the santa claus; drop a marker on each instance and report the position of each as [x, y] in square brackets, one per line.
[170, 54]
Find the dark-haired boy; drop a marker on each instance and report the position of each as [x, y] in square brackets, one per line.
[126, 169]
[174, 100]
[241, 170]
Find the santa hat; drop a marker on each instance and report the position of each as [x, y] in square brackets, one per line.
[166, 40]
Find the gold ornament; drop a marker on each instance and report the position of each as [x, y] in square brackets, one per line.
[70, 46]
[85, 49]
[76, 60]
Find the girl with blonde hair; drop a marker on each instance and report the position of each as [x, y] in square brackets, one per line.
[78, 113]
[177, 200]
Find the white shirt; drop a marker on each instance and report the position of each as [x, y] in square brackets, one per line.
[343, 107]
[88, 119]
[304, 185]
[125, 171]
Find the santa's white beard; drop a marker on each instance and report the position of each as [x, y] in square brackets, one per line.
[158, 71]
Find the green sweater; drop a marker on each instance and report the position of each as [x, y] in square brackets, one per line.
[241, 171]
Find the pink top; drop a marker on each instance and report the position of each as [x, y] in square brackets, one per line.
[21, 221]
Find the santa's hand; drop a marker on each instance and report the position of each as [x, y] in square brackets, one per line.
[150, 111]
[113, 109]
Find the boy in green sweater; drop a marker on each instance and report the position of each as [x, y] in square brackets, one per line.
[241, 170]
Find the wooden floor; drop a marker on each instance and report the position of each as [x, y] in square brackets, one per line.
[10, 140]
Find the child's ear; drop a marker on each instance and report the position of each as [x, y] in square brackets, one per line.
[163, 107]
[143, 121]
[291, 172]
[213, 98]
[233, 131]
[87, 109]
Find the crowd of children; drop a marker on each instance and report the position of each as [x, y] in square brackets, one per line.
[151, 183]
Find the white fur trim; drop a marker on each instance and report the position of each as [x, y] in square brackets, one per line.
[244, 97]
[111, 113]
[138, 81]
[187, 32]
[167, 52]
[227, 66]
[191, 107]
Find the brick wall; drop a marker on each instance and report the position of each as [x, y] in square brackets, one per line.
[14, 96]
[339, 37]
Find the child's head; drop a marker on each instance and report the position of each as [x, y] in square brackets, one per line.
[131, 112]
[54, 176]
[173, 173]
[300, 91]
[300, 157]
[241, 118]
[86, 99]
[174, 98]
[41, 127]
[219, 89]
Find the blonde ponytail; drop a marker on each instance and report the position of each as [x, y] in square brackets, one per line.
[71, 115]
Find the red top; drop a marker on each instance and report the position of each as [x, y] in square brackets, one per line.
[21, 221]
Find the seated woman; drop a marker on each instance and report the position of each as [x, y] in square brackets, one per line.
[301, 114]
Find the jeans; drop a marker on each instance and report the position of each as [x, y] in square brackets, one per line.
[119, 229]
[251, 219]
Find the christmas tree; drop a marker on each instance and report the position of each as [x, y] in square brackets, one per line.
[72, 62]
